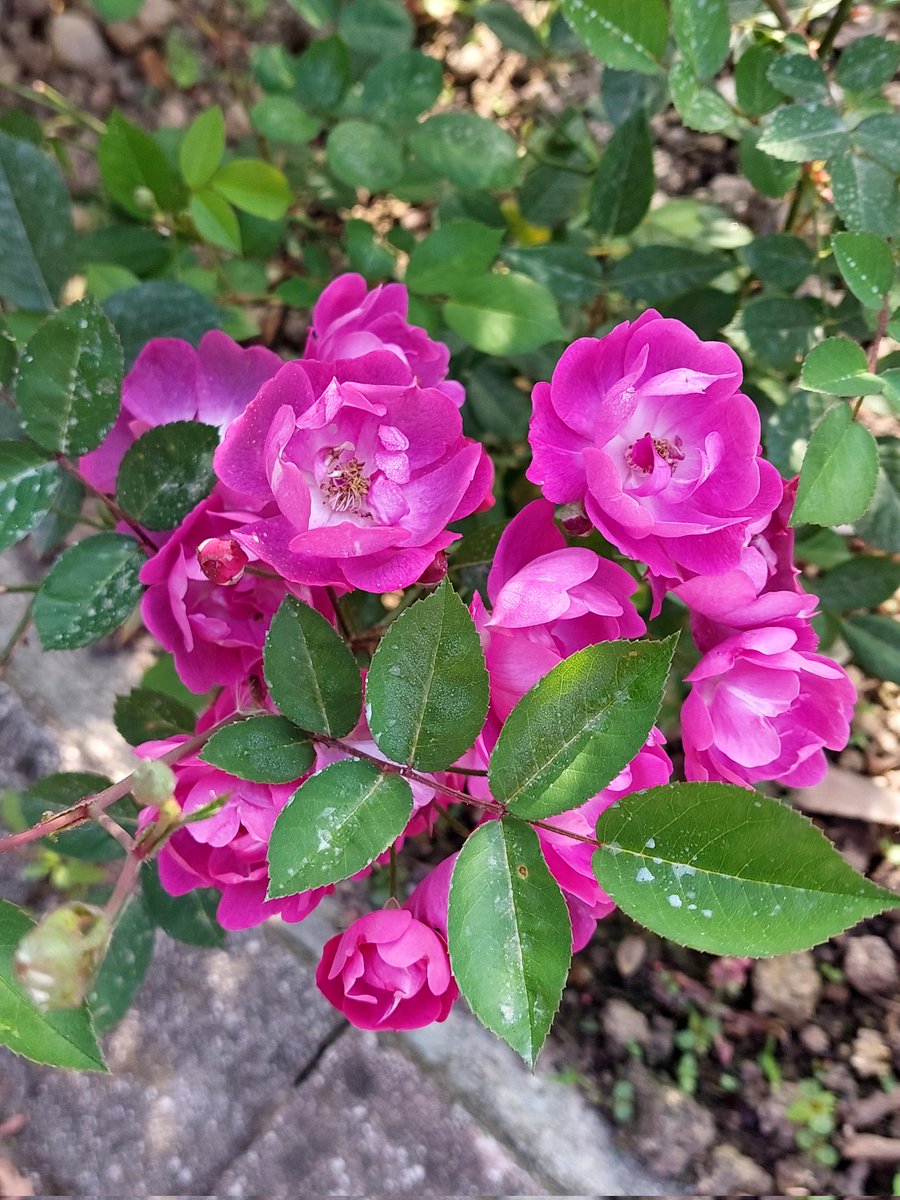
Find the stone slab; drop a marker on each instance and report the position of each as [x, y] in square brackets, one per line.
[366, 1122]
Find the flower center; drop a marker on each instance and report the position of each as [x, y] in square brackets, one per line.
[640, 455]
[346, 484]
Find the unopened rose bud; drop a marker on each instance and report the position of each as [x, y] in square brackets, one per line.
[56, 961]
[153, 782]
[221, 560]
[574, 520]
[435, 571]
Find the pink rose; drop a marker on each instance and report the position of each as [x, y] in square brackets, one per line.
[570, 863]
[173, 381]
[362, 472]
[430, 900]
[388, 971]
[548, 601]
[215, 632]
[349, 321]
[647, 428]
[723, 605]
[761, 708]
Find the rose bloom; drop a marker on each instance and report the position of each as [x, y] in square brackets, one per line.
[172, 380]
[388, 971]
[361, 469]
[548, 600]
[763, 708]
[349, 321]
[647, 429]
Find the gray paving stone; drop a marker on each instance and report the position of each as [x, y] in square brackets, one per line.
[366, 1121]
[210, 1051]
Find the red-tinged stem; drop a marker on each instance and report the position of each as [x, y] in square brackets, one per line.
[872, 358]
[113, 508]
[125, 885]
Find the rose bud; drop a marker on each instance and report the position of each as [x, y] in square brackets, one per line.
[434, 572]
[56, 961]
[221, 560]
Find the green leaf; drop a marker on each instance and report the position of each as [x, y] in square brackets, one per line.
[728, 870]
[35, 226]
[880, 524]
[700, 107]
[569, 272]
[167, 472]
[263, 749]
[509, 934]
[451, 256]
[624, 93]
[28, 486]
[190, 918]
[621, 34]
[365, 253]
[800, 132]
[702, 33]
[622, 187]
[799, 76]
[839, 471]
[160, 308]
[755, 94]
[510, 27]
[124, 965]
[70, 379]
[146, 715]
[778, 258]
[375, 28]
[215, 220]
[504, 314]
[875, 642]
[134, 170]
[399, 87]
[865, 194]
[254, 187]
[838, 366]
[768, 175]
[337, 822]
[655, 273]
[867, 265]
[780, 330]
[552, 195]
[861, 582]
[868, 64]
[118, 10]
[58, 1039]
[427, 688]
[202, 148]
[89, 591]
[281, 119]
[322, 74]
[579, 726]
[469, 150]
[879, 137]
[309, 671]
[364, 155]
[88, 841]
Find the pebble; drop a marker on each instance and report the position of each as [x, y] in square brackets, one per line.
[156, 16]
[734, 1174]
[870, 966]
[76, 42]
[624, 1026]
[814, 1039]
[870, 1055]
[788, 987]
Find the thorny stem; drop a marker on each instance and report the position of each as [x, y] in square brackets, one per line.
[872, 359]
[125, 885]
[111, 505]
[91, 806]
[781, 13]
[834, 27]
[15, 637]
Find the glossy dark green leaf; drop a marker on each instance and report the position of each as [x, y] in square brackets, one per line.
[880, 524]
[364, 155]
[702, 33]
[509, 934]
[865, 194]
[867, 265]
[504, 314]
[804, 131]
[699, 105]
[399, 87]
[449, 257]
[875, 642]
[579, 726]
[35, 226]
[838, 367]
[28, 485]
[879, 137]
[620, 33]
[755, 93]
[655, 273]
[281, 119]
[839, 471]
[190, 918]
[622, 187]
[60, 1039]
[728, 870]
[799, 76]
[469, 150]
[374, 28]
[70, 380]
[146, 715]
[768, 175]
[781, 330]
[861, 582]
[310, 673]
[510, 27]
[780, 258]
[337, 822]
[167, 472]
[263, 749]
[322, 74]
[89, 591]
[569, 272]
[124, 965]
[427, 688]
[868, 63]
[160, 308]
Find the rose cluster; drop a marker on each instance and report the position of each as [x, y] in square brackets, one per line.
[344, 470]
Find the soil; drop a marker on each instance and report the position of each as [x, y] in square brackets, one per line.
[741, 1078]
